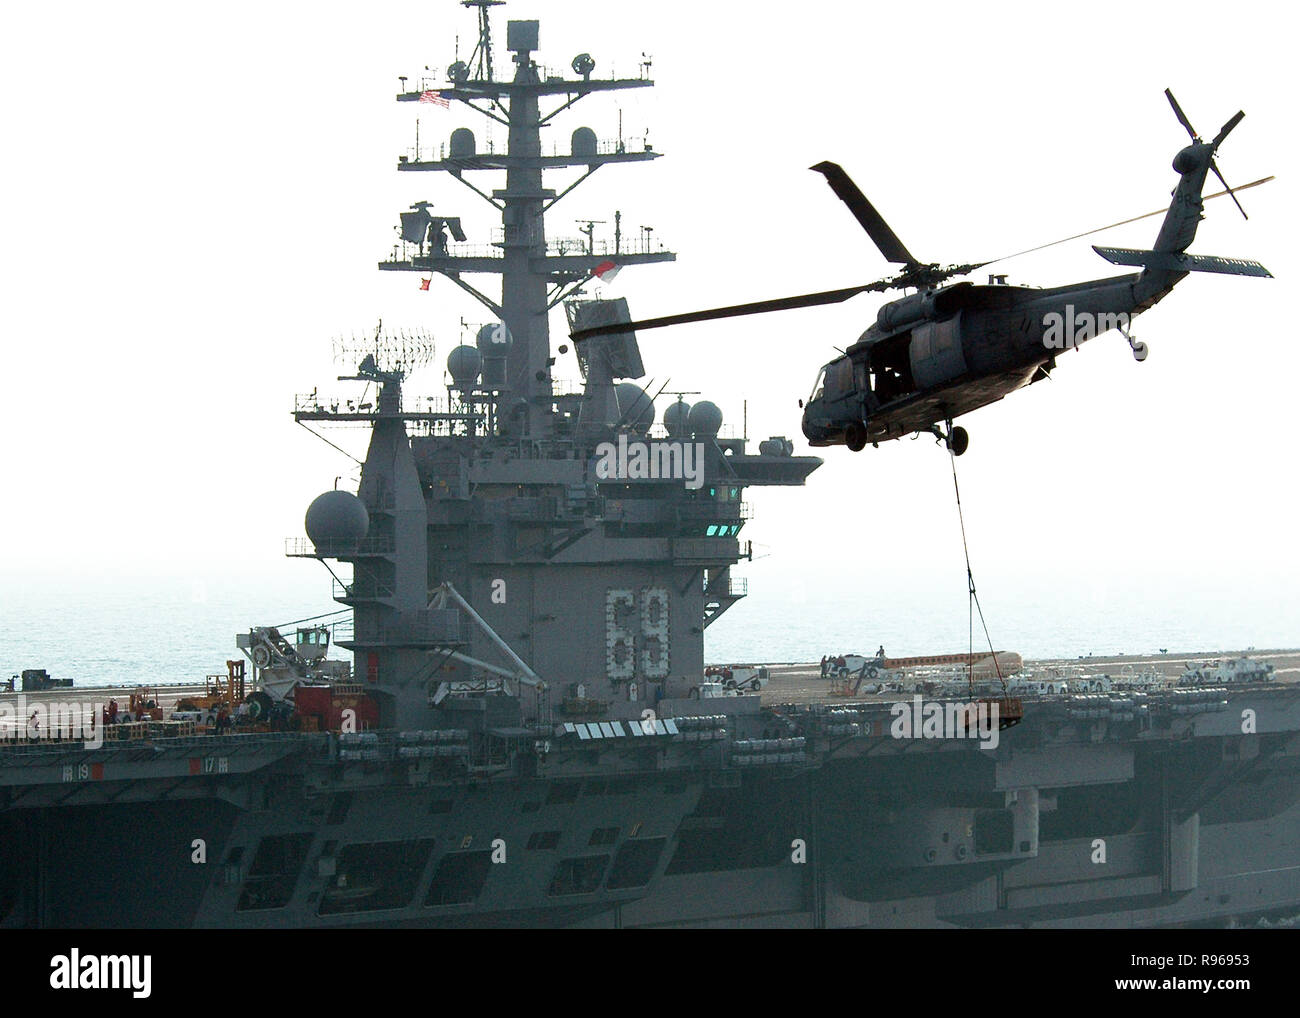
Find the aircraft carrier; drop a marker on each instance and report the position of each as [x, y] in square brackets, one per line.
[524, 735]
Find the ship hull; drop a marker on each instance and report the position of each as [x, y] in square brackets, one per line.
[1064, 824]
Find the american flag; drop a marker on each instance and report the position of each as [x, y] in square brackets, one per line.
[429, 96]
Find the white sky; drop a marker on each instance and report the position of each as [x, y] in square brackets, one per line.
[196, 196]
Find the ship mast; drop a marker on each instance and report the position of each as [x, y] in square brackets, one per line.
[535, 276]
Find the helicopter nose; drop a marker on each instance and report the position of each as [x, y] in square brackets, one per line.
[1194, 157]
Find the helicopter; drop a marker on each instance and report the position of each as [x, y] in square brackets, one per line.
[945, 350]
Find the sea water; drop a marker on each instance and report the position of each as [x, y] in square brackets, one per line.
[129, 629]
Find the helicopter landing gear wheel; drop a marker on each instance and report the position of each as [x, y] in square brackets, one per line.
[955, 438]
[855, 436]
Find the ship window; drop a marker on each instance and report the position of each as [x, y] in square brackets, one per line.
[711, 804]
[235, 855]
[543, 840]
[440, 806]
[339, 808]
[635, 863]
[274, 872]
[459, 878]
[604, 836]
[530, 807]
[580, 875]
[621, 786]
[562, 792]
[995, 831]
[280, 853]
[375, 876]
[593, 786]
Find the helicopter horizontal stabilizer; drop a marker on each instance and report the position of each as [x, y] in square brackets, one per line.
[1170, 261]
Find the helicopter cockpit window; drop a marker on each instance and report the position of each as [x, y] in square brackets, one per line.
[817, 386]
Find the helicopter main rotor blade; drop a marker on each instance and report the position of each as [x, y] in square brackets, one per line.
[1182, 117]
[843, 294]
[866, 215]
[759, 307]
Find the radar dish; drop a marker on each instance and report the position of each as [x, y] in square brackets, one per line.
[336, 517]
[464, 364]
[676, 419]
[705, 419]
[635, 406]
[494, 339]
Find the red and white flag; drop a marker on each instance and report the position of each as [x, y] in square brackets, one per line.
[606, 271]
[424, 283]
[429, 96]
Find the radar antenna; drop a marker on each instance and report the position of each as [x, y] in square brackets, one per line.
[483, 50]
[587, 227]
[384, 356]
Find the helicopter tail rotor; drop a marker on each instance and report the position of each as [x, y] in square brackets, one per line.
[1182, 117]
[1224, 131]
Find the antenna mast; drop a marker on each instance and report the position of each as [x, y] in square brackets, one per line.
[537, 274]
[483, 51]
